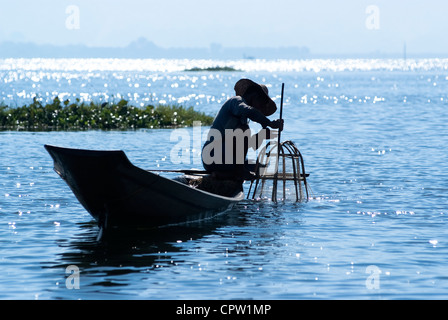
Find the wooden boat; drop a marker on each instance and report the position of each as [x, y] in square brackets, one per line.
[115, 192]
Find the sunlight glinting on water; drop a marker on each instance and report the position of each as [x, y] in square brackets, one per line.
[372, 133]
[172, 65]
[165, 81]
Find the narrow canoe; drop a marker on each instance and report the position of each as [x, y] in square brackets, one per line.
[115, 192]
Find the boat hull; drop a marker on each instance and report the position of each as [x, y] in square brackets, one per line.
[115, 192]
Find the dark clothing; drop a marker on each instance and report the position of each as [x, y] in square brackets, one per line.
[234, 114]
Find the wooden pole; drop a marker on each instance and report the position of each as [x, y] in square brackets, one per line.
[281, 113]
[275, 182]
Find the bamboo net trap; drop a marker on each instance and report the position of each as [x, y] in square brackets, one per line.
[280, 175]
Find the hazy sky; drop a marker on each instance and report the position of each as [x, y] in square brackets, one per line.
[325, 26]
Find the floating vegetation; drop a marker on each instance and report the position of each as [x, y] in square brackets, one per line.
[217, 68]
[65, 115]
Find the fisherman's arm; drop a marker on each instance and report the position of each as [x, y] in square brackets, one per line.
[242, 109]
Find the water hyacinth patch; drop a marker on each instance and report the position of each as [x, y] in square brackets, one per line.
[81, 115]
[217, 68]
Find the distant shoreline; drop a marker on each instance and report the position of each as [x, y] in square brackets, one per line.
[146, 49]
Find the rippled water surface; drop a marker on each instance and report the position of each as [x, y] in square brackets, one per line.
[374, 138]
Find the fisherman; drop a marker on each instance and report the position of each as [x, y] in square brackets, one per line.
[225, 151]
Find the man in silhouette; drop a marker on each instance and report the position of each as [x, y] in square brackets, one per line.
[225, 151]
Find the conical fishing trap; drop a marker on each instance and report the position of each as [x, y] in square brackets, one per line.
[280, 175]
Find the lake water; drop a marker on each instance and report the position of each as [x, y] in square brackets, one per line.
[373, 134]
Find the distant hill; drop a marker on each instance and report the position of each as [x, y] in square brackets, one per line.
[143, 48]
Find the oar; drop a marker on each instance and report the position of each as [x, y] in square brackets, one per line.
[281, 113]
[192, 171]
[274, 187]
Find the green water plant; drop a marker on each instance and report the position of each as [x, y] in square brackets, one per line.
[217, 68]
[82, 115]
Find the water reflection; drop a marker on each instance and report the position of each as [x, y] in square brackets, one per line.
[124, 255]
[128, 250]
